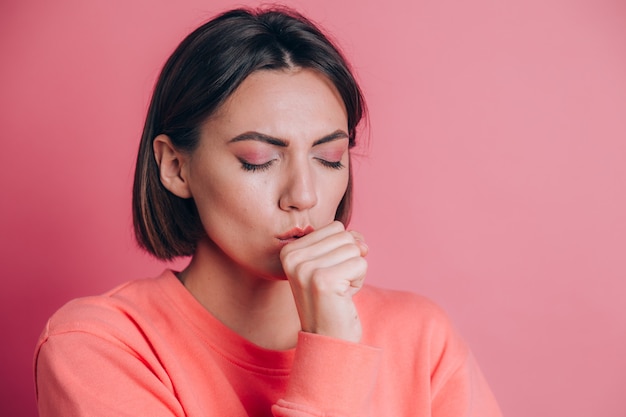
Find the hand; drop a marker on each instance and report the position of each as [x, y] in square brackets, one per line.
[326, 268]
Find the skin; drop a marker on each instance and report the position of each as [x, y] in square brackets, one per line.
[270, 170]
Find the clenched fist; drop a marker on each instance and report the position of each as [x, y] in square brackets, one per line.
[326, 268]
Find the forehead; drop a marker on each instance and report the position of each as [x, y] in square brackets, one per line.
[283, 103]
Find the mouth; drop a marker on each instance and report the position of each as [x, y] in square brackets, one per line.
[295, 233]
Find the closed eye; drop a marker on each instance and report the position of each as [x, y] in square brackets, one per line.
[247, 166]
[331, 164]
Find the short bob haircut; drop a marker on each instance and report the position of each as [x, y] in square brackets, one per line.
[204, 70]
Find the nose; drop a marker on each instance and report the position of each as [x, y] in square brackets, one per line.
[298, 192]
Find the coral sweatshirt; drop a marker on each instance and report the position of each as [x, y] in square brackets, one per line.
[148, 348]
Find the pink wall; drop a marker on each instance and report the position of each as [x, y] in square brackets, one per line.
[495, 181]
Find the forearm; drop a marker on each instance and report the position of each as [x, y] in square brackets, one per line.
[330, 377]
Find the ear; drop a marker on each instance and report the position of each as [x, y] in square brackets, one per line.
[172, 166]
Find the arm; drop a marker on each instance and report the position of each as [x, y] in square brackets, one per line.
[82, 373]
[332, 372]
[330, 377]
[325, 270]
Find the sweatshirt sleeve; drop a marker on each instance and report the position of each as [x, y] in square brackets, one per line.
[330, 377]
[81, 374]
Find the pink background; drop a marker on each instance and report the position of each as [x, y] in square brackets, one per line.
[494, 183]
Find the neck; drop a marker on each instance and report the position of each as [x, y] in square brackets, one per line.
[262, 310]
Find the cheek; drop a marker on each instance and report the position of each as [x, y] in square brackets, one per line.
[215, 192]
[226, 211]
[337, 188]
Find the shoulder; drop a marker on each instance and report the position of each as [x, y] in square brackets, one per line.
[403, 320]
[115, 341]
[401, 305]
[119, 314]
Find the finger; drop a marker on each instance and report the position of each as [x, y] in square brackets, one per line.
[352, 275]
[319, 234]
[357, 235]
[360, 240]
[306, 269]
[296, 252]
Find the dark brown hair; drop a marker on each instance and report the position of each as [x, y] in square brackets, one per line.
[204, 70]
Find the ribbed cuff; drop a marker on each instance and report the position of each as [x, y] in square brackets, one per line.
[332, 375]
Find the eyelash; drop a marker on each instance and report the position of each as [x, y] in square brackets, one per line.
[263, 167]
[255, 168]
[331, 164]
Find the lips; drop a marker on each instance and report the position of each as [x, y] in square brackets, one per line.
[295, 233]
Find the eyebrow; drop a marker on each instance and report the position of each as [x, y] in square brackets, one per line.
[260, 137]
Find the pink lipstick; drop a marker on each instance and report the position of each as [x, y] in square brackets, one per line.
[295, 233]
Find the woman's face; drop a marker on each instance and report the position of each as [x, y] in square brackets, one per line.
[271, 163]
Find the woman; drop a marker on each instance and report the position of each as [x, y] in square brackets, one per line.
[244, 164]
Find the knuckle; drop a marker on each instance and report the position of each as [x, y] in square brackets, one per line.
[321, 280]
[356, 235]
[338, 226]
[350, 237]
[344, 238]
[288, 256]
[352, 250]
[303, 269]
[285, 251]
